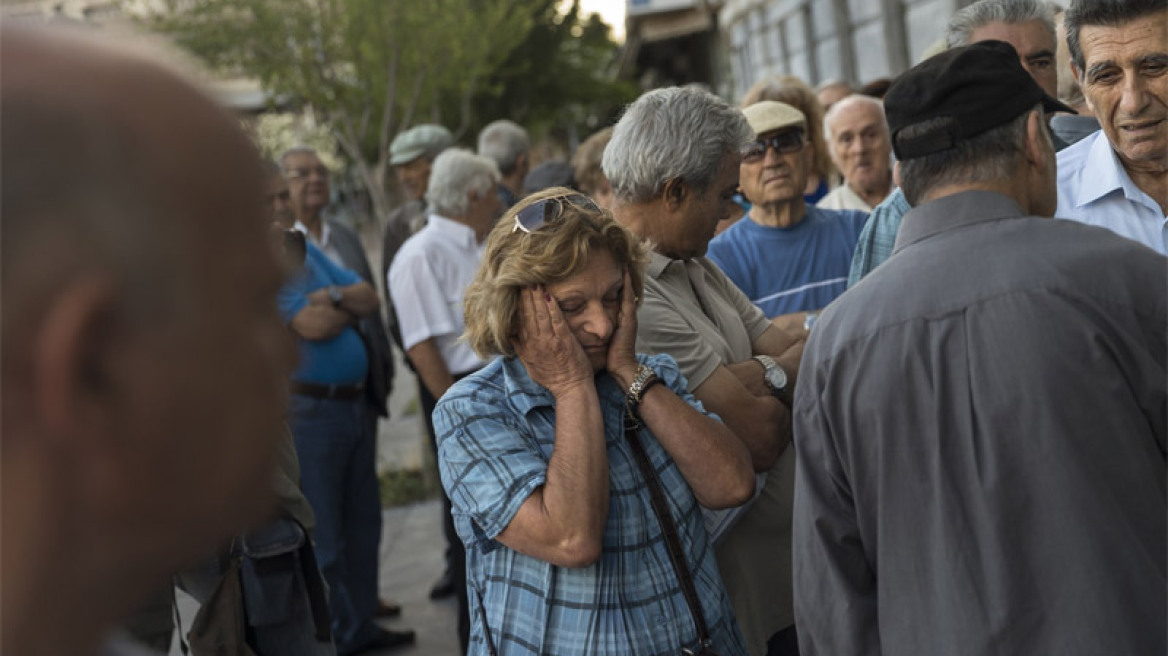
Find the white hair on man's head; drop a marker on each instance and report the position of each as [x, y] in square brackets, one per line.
[673, 133]
[457, 171]
[503, 142]
[851, 101]
[962, 25]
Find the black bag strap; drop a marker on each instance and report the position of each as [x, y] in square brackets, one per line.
[668, 528]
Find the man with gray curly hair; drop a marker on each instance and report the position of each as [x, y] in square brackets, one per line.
[426, 282]
[673, 164]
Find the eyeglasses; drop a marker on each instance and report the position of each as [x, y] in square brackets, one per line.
[790, 141]
[296, 174]
[532, 217]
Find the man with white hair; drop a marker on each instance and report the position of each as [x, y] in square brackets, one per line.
[508, 146]
[674, 192]
[427, 280]
[857, 138]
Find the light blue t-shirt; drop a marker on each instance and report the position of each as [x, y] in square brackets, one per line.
[340, 360]
[1094, 188]
[800, 268]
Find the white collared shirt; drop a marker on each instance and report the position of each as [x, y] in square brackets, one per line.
[1094, 188]
[325, 243]
[427, 280]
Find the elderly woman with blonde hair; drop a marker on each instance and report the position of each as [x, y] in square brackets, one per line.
[575, 465]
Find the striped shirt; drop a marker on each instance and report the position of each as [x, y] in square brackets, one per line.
[783, 270]
[496, 433]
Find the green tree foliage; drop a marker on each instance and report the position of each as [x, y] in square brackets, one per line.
[365, 68]
[559, 81]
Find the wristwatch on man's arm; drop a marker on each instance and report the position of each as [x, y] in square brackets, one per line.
[775, 377]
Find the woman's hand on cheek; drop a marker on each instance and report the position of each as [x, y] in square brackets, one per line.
[546, 345]
[622, 351]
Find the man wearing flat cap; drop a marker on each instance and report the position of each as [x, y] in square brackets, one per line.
[980, 427]
[787, 256]
[412, 156]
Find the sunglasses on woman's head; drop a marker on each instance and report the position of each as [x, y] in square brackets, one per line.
[535, 215]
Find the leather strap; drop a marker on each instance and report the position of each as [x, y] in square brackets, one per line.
[668, 529]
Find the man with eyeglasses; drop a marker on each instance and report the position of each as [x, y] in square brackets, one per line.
[338, 393]
[788, 257]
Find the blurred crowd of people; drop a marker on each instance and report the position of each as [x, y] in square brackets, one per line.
[830, 371]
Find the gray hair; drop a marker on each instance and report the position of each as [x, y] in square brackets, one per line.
[992, 155]
[854, 99]
[297, 150]
[962, 25]
[457, 171]
[503, 142]
[668, 134]
[1106, 13]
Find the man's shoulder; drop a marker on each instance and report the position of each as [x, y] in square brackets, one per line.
[342, 229]
[851, 222]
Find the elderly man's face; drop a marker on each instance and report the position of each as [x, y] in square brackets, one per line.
[415, 177]
[308, 182]
[776, 177]
[860, 146]
[1125, 84]
[1035, 45]
[702, 211]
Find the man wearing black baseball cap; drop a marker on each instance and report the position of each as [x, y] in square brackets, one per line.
[981, 431]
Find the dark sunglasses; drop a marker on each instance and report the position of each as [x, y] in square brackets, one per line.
[790, 141]
[532, 217]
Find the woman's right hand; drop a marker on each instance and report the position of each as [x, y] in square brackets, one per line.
[546, 346]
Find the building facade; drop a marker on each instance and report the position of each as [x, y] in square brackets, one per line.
[856, 41]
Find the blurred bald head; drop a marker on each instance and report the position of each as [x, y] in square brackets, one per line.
[142, 353]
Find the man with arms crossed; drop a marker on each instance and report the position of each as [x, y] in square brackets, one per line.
[673, 193]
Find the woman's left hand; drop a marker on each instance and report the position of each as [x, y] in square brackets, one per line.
[622, 353]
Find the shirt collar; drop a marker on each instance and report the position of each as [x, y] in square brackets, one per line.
[657, 264]
[461, 233]
[1103, 173]
[324, 233]
[956, 211]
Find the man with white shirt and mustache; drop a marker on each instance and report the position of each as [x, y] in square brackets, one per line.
[1118, 177]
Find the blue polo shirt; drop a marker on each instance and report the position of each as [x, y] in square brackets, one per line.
[340, 360]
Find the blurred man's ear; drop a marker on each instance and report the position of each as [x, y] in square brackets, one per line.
[896, 173]
[71, 354]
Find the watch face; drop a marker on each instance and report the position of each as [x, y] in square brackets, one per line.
[776, 377]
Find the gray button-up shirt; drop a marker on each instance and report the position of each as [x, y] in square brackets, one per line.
[980, 444]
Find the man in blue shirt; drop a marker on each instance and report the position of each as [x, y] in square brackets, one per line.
[787, 256]
[322, 304]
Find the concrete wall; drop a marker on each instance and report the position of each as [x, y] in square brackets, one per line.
[818, 40]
